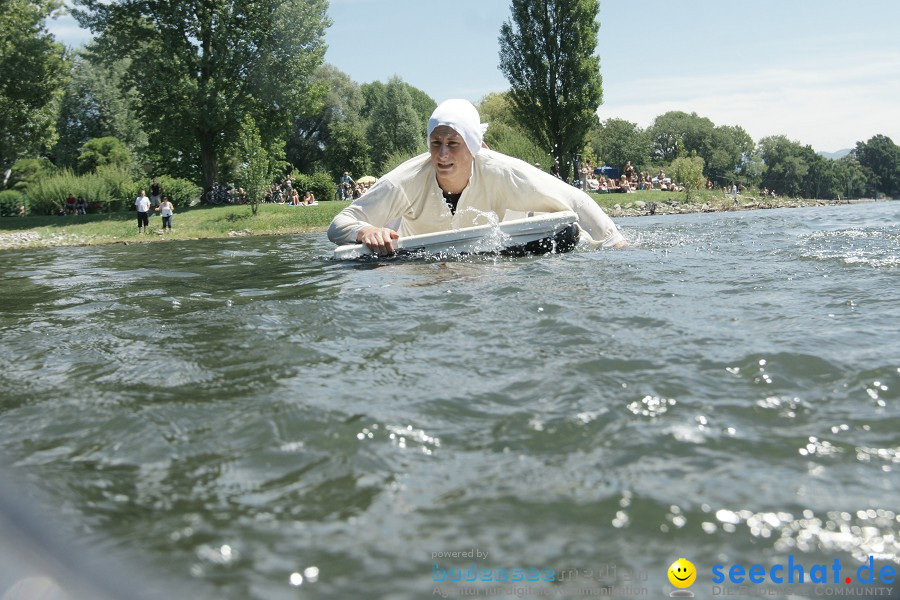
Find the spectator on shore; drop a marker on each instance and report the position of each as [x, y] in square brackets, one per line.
[166, 210]
[155, 194]
[554, 170]
[295, 198]
[628, 170]
[71, 201]
[81, 206]
[142, 205]
[346, 186]
[309, 199]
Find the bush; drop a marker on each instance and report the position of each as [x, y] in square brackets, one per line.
[26, 171]
[182, 192]
[47, 195]
[109, 189]
[103, 191]
[103, 151]
[319, 183]
[10, 201]
[120, 183]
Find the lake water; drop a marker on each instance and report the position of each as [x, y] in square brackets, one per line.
[248, 418]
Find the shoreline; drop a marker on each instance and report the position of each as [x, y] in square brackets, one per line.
[670, 206]
[27, 239]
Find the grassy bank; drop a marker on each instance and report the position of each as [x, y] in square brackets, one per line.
[275, 219]
[196, 223]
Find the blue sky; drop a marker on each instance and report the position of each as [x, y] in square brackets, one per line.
[822, 72]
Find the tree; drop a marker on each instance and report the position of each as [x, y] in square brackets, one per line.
[513, 142]
[310, 138]
[96, 103]
[394, 125]
[496, 108]
[854, 180]
[422, 103]
[786, 167]
[98, 152]
[547, 54]
[882, 156]
[693, 132]
[724, 152]
[32, 73]
[348, 149]
[505, 134]
[617, 141]
[688, 171]
[255, 171]
[724, 149]
[201, 65]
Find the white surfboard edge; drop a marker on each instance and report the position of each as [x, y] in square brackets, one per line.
[471, 240]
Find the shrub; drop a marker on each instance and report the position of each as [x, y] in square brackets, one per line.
[47, 195]
[26, 171]
[98, 152]
[10, 201]
[319, 183]
[182, 192]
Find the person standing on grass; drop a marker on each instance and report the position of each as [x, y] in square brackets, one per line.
[142, 204]
[166, 210]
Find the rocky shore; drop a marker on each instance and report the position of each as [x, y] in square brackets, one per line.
[676, 205]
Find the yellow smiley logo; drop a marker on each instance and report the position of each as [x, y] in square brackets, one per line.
[682, 573]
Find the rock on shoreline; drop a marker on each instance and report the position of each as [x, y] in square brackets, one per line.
[671, 206]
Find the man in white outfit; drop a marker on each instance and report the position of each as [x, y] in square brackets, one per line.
[454, 183]
[142, 205]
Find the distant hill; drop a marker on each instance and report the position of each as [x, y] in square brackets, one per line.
[836, 155]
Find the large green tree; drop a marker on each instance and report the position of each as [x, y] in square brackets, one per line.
[96, 103]
[882, 156]
[422, 103]
[547, 53]
[505, 134]
[617, 141]
[724, 149]
[32, 73]
[394, 125]
[310, 138]
[786, 165]
[200, 66]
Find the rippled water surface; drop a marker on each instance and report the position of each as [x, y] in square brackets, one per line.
[253, 419]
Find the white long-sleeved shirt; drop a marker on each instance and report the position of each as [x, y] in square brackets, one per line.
[498, 183]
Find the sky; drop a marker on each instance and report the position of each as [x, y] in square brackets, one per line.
[821, 72]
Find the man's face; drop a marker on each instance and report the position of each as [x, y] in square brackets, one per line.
[449, 154]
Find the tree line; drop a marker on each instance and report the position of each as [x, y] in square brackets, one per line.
[207, 91]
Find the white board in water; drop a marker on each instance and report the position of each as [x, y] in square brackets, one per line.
[481, 238]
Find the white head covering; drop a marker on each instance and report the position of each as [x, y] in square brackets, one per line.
[463, 118]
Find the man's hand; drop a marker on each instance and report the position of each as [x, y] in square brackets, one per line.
[379, 239]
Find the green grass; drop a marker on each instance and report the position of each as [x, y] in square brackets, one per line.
[196, 223]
